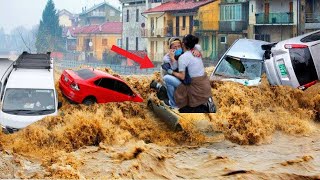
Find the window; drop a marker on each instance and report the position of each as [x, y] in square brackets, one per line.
[231, 12]
[183, 22]
[106, 83]
[223, 39]
[85, 74]
[205, 43]
[127, 15]
[112, 13]
[123, 88]
[311, 37]
[263, 37]
[127, 43]
[234, 67]
[137, 43]
[104, 42]
[114, 85]
[137, 15]
[119, 43]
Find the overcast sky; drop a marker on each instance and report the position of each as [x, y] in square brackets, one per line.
[28, 13]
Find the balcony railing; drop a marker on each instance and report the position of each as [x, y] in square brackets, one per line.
[232, 26]
[167, 32]
[274, 18]
[206, 25]
[312, 17]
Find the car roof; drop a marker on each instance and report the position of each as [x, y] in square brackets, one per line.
[247, 48]
[31, 78]
[4, 65]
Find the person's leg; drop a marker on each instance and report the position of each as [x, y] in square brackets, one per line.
[172, 84]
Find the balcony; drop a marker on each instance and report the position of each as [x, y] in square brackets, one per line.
[166, 32]
[274, 18]
[233, 26]
[312, 21]
[206, 25]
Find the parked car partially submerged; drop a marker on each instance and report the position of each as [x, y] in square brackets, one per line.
[90, 86]
[30, 93]
[242, 63]
[294, 62]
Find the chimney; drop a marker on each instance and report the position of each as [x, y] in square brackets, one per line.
[100, 28]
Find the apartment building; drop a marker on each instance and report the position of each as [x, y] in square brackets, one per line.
[233, 23]
[273, 20]
[98, 14]
[173, 18]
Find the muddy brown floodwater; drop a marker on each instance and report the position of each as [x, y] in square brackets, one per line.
[260, 132]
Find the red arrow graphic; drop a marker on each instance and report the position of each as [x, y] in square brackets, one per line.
[144, 62]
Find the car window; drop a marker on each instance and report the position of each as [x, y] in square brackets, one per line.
[303, 66]
[85, 74]
[29, 100]
[123, 88]
[114, 85]
[234, 67]
[311, 37]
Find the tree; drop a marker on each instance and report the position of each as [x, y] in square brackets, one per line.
[49, 36]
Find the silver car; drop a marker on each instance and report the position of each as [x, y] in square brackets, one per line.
[242, 63]
[294, 62]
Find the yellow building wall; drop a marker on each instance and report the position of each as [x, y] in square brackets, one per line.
[209, 15]
[64, 20]
[98, 47]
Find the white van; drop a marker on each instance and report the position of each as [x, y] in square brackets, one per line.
[30, 93]
[5, 70]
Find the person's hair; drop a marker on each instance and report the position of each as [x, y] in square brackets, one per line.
[172, 40]
[190, 41]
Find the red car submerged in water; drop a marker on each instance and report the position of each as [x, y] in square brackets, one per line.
[90, 86]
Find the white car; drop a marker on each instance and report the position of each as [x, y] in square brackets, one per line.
[30, 93]
[242, 63]
[294, 62]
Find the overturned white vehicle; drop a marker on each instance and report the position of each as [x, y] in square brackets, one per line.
[294, 62]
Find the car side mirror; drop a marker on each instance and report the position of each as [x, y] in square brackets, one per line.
[59, 105]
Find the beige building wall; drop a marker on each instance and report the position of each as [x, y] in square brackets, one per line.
[64, 20]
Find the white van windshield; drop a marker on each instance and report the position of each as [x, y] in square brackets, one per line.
[233, 67]
[29, 101]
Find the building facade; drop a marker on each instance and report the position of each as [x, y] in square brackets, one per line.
[273, 20]
[233, 23]
[170, 19]
[133, 21]
[206, 23]
[94, 41]
[99, 14]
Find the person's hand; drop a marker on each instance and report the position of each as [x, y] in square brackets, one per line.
[170, 71]
[171, 54]
[196, 53]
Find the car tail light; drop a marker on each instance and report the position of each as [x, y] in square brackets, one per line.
[295, 46]
[304, 87]
[75, 86]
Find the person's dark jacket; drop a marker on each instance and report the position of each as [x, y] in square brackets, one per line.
[195, 94]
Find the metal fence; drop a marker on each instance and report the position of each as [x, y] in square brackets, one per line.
[124, 70]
